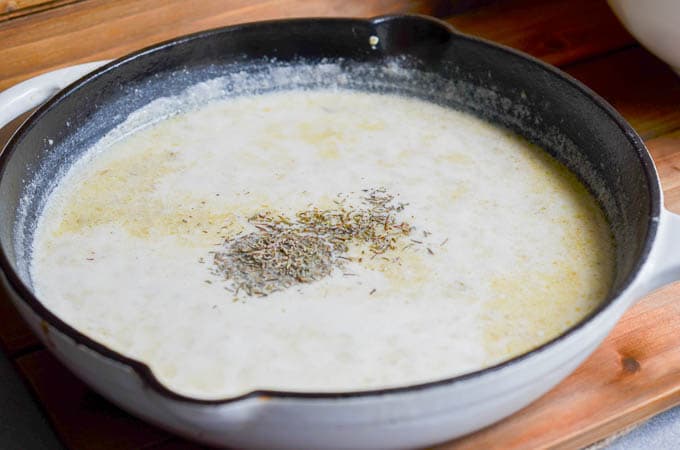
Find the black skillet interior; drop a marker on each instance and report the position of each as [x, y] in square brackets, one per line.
[443, 67]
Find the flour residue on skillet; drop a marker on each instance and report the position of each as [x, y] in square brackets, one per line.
[505, 248]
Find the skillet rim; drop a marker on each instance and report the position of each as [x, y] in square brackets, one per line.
[23, 292]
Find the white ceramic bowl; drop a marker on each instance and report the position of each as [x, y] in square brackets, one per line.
[655, 23]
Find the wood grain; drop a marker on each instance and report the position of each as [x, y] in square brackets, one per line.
[10, 9]
[554, 31]
[666, 153]
[634, 375]
[13, 5]
[641, 87]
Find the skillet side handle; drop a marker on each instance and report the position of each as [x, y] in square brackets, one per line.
[664, 267]
[35, 91]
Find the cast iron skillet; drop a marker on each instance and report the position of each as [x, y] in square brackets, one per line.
[496, 83]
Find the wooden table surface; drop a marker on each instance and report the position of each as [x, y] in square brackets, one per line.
[634, 375]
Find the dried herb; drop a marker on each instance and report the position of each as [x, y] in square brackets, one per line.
[285, 251]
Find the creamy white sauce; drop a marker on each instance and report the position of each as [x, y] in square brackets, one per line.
[520, 250]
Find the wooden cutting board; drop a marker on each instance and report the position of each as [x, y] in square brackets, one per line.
[632, 376]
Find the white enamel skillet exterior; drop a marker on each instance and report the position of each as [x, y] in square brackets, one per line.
[396, 418]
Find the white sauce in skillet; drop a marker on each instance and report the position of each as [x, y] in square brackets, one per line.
[511, 249]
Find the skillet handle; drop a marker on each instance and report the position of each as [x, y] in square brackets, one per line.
[37, 90]
[664, 264]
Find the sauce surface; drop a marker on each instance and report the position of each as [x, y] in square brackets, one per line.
[506, 249]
